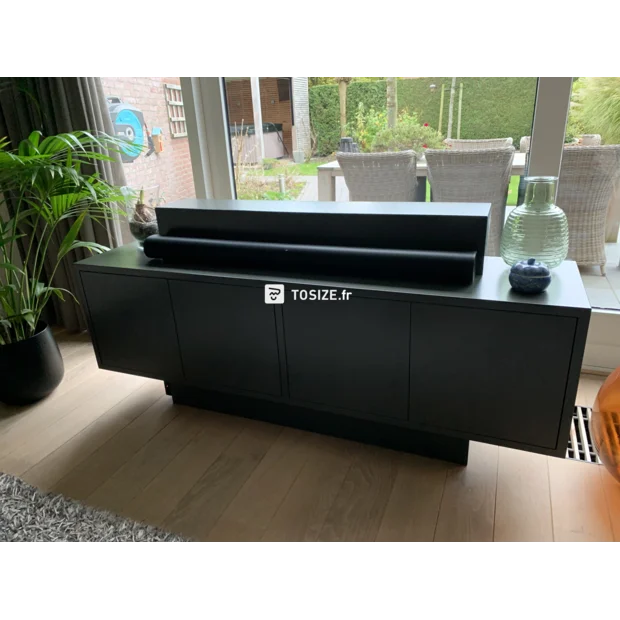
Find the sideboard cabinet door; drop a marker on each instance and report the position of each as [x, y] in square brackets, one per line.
[132, 324]
[351, 355]
[228, 337]
[490, 373]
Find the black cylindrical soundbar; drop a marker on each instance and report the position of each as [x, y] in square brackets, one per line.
[409, 265]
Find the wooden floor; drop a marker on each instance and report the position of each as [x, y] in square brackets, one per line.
[118, 442]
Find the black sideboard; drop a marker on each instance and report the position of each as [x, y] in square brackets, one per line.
[419, 368]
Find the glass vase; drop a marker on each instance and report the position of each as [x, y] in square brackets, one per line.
[605, 424]
[141, 215]
[537, 228]
[142, 222]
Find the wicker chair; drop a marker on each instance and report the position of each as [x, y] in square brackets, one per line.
[477, 145]
[590, 139]
[385, 177]
[587, 179]
[524, 144]
[474, 176]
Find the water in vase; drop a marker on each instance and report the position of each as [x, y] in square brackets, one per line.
[538, 228]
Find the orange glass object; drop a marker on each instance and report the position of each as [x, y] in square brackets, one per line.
[605, 424]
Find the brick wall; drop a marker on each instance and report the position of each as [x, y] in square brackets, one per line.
[171, 169]
[239, 101]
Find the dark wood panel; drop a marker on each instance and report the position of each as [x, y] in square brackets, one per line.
[494, 374]
[133, 325]
[349, 354]
[227, 336]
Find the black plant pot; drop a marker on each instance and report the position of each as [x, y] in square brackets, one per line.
[30, 369]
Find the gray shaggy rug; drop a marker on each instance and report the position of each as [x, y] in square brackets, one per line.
[29, 515]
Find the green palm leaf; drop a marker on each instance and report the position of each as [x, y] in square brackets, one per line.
[46, 185]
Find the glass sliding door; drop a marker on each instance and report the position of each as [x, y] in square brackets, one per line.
[149, 112]
[285, 131]
[590, 186]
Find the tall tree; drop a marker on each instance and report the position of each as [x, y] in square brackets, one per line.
[451, 108]
[392, 101]
[343, 82]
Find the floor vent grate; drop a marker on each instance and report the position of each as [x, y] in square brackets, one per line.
[580, 446]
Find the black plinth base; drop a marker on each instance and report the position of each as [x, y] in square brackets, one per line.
[393, 437]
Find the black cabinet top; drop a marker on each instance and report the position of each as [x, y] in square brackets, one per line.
[566, 294]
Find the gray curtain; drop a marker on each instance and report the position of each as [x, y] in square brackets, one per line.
[57, 105]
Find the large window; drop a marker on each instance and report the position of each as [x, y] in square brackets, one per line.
[285, 132]
[149, 111]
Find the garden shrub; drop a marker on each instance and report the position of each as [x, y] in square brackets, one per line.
[371, 94]
[408, 134]
[325, 117]
[367, 123]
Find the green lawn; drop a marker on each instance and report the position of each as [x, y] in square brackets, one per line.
[513, 191]
[306, 169]
[274, 167]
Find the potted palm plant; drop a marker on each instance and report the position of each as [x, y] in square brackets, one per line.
[47, 192]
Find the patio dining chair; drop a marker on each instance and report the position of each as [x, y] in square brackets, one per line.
[591, 139]
[474, 176]
[587, 178]
[477, 145]
[524, 144]
[385, 177]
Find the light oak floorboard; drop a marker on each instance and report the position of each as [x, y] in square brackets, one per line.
[358, 508]
[160, 497]
[589, 386]
[523, 504]
[201, 507]
[49, 471]
[251, 511]
[29, 421]
[580, 512]
[30, 450]
[467, 510]
[135, 475]
[303, 511]
[12, 415]
[611, 489]
[113, 454]
[84, 367]
[413, 508]
[69, 344]
[74, 374]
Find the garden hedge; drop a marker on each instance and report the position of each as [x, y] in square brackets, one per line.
[372, 94]
[325, 117]
[492, 107]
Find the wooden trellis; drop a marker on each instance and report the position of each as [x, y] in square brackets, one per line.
[176, 111]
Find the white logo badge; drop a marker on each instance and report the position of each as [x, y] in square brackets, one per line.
[274, 293]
